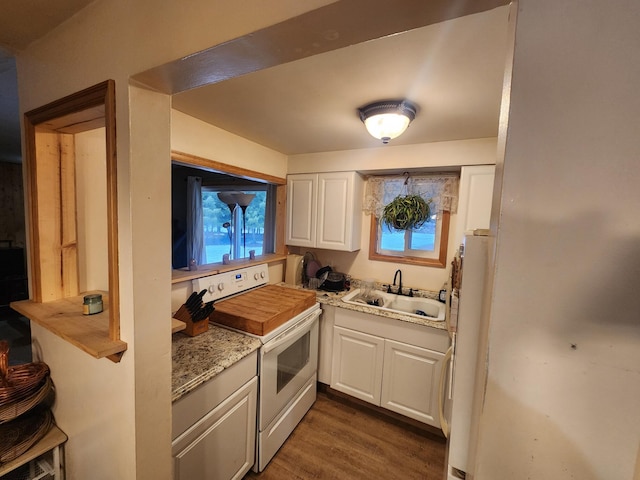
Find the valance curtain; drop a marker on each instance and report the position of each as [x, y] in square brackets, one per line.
[441, 189]
[195, 232]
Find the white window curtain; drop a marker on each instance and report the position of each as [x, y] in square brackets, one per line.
[440, 189]
[195, 232]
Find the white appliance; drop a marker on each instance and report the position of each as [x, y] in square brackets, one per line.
[287, 362]
[293, 273]
[466, 303]
[288, 365]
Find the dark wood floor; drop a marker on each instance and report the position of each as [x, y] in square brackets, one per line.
[340, 440]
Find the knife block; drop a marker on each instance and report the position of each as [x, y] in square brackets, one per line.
[193, 328]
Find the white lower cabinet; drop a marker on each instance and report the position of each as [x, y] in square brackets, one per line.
[411, 377]
[221, 443]
[357, 364]
[389, 363]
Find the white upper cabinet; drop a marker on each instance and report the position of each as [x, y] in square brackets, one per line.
[324, 210]
[302, 200]
[475, 198]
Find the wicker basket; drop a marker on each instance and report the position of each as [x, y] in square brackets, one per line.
[14, 409]
[19, 435]
[22, 387]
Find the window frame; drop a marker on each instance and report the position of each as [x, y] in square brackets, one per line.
[53, 270]
[439, 262]
[280, 184]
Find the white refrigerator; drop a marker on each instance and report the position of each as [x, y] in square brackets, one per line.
[465, 299]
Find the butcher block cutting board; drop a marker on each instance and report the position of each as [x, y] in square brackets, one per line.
[262, 310]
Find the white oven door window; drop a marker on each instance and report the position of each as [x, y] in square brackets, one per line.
[287, 363]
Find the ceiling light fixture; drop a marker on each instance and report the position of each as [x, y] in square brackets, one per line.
[388, 119]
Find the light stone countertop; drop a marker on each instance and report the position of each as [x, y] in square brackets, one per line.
[200, 358]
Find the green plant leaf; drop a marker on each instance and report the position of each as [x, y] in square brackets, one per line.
[406, 212]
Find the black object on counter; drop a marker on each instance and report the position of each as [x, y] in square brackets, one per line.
[334, 282]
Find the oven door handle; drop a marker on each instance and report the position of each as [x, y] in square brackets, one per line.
[286, 336]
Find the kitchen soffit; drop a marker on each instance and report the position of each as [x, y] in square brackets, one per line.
[452, 69]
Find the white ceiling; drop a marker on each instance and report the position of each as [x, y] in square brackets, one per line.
[452, 71]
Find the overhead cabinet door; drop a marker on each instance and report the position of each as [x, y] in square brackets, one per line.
[301, 210]
[335, 211]
[475, 198]
[324, 210]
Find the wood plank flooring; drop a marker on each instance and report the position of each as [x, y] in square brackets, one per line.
[339, 440]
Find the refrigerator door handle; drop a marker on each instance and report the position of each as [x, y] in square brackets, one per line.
[444, 424]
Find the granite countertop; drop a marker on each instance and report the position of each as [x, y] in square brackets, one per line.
[200, 358]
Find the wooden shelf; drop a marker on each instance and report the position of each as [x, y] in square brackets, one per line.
[64, 318]
[54, 438]
[184, 275]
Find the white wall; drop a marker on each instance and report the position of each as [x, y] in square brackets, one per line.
[193, 136]
[117, 416]
[563, 390]
[398, 158]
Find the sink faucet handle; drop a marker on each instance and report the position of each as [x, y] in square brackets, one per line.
[411, 292]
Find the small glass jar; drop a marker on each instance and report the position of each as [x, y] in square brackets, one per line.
[92, 304]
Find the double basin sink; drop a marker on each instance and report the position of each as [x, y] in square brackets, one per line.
[418, 307]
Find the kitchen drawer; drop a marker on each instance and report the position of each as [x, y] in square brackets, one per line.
[193, 406]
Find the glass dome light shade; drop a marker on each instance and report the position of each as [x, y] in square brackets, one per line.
[387, 120]
[386, 126]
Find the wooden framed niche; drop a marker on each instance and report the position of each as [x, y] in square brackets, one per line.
[71, 183]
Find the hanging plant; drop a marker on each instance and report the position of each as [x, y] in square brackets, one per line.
[406, 212]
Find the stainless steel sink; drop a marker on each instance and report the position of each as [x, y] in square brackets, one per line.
[413, 306]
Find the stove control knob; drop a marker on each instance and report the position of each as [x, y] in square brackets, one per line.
[221, 286]
[211, 288]
[256, 276]
[261, 274]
